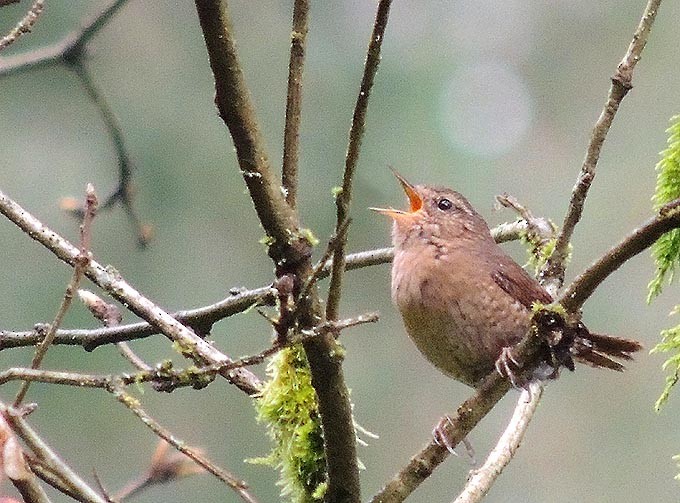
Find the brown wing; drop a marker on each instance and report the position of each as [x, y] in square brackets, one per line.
[517, 283]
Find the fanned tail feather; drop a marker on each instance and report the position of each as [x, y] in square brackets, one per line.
[598, 350]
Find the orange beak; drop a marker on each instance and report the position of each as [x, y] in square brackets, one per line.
[414, 199]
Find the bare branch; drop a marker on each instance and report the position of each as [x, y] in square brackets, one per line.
[553, 271]
[48, 457]
[356, 133]
[81, 262]
[238, 113]
[203, 318]
[111, 281]
[123, 193]
[238, 485]
[73, 44]
[482, 479]
[290, 248]
[24, 26]
[291, 132]
[637, 241]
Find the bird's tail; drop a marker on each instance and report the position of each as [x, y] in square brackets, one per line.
[600, 351]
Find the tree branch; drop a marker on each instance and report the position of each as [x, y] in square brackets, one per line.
[343, 199]
[111, 281]
[72, 44]
[291, 132]
[24, 26]
[82, 261]
[238, 485]
[204, 317]
[481, 479]
[290, 249]
[552, 274]
[48, 457]
[637, 241]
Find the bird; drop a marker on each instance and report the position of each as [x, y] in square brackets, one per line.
[465, 302]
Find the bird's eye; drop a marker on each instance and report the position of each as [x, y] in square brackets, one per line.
[444, 204]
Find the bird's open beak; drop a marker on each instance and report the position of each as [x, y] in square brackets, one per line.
[414, 199]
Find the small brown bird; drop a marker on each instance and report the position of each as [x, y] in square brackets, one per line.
[462, 298]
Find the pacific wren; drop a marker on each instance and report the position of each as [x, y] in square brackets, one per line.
[462, 298]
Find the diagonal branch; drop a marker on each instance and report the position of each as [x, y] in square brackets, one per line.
[553, 272]
[111, 281]
[82, 261]
[637, 241]
[24, 26]
[482, 478]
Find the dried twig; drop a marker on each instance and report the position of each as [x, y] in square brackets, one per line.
[552, 273]
[71, 52]
[238, 485]
[23, 26]
[74, 43]
[48, 458]
[81, 262]
[110, 280]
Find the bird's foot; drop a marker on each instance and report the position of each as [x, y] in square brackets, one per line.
[442, 438]
[507, 366]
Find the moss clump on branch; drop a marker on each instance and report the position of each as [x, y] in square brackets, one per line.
[288, 407]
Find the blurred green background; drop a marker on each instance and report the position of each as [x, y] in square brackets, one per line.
[484, 96]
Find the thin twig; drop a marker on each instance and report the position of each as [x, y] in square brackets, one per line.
[238, 485]
[123, 193]
[111, 281]
[637, 241]
[71, 51]
[291, 131]
[66, 48]
[81, 262]
[553, 271]
[343, 198]
[15, 466]
[238, 113]
[48, 457]
[483, 478]
[23, 26]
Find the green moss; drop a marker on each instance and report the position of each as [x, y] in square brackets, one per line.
[666, 253]
[288, 407]
[309, 236]
[666, 250]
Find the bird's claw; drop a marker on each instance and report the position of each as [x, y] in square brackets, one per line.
[441, 438]
[504, 366]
